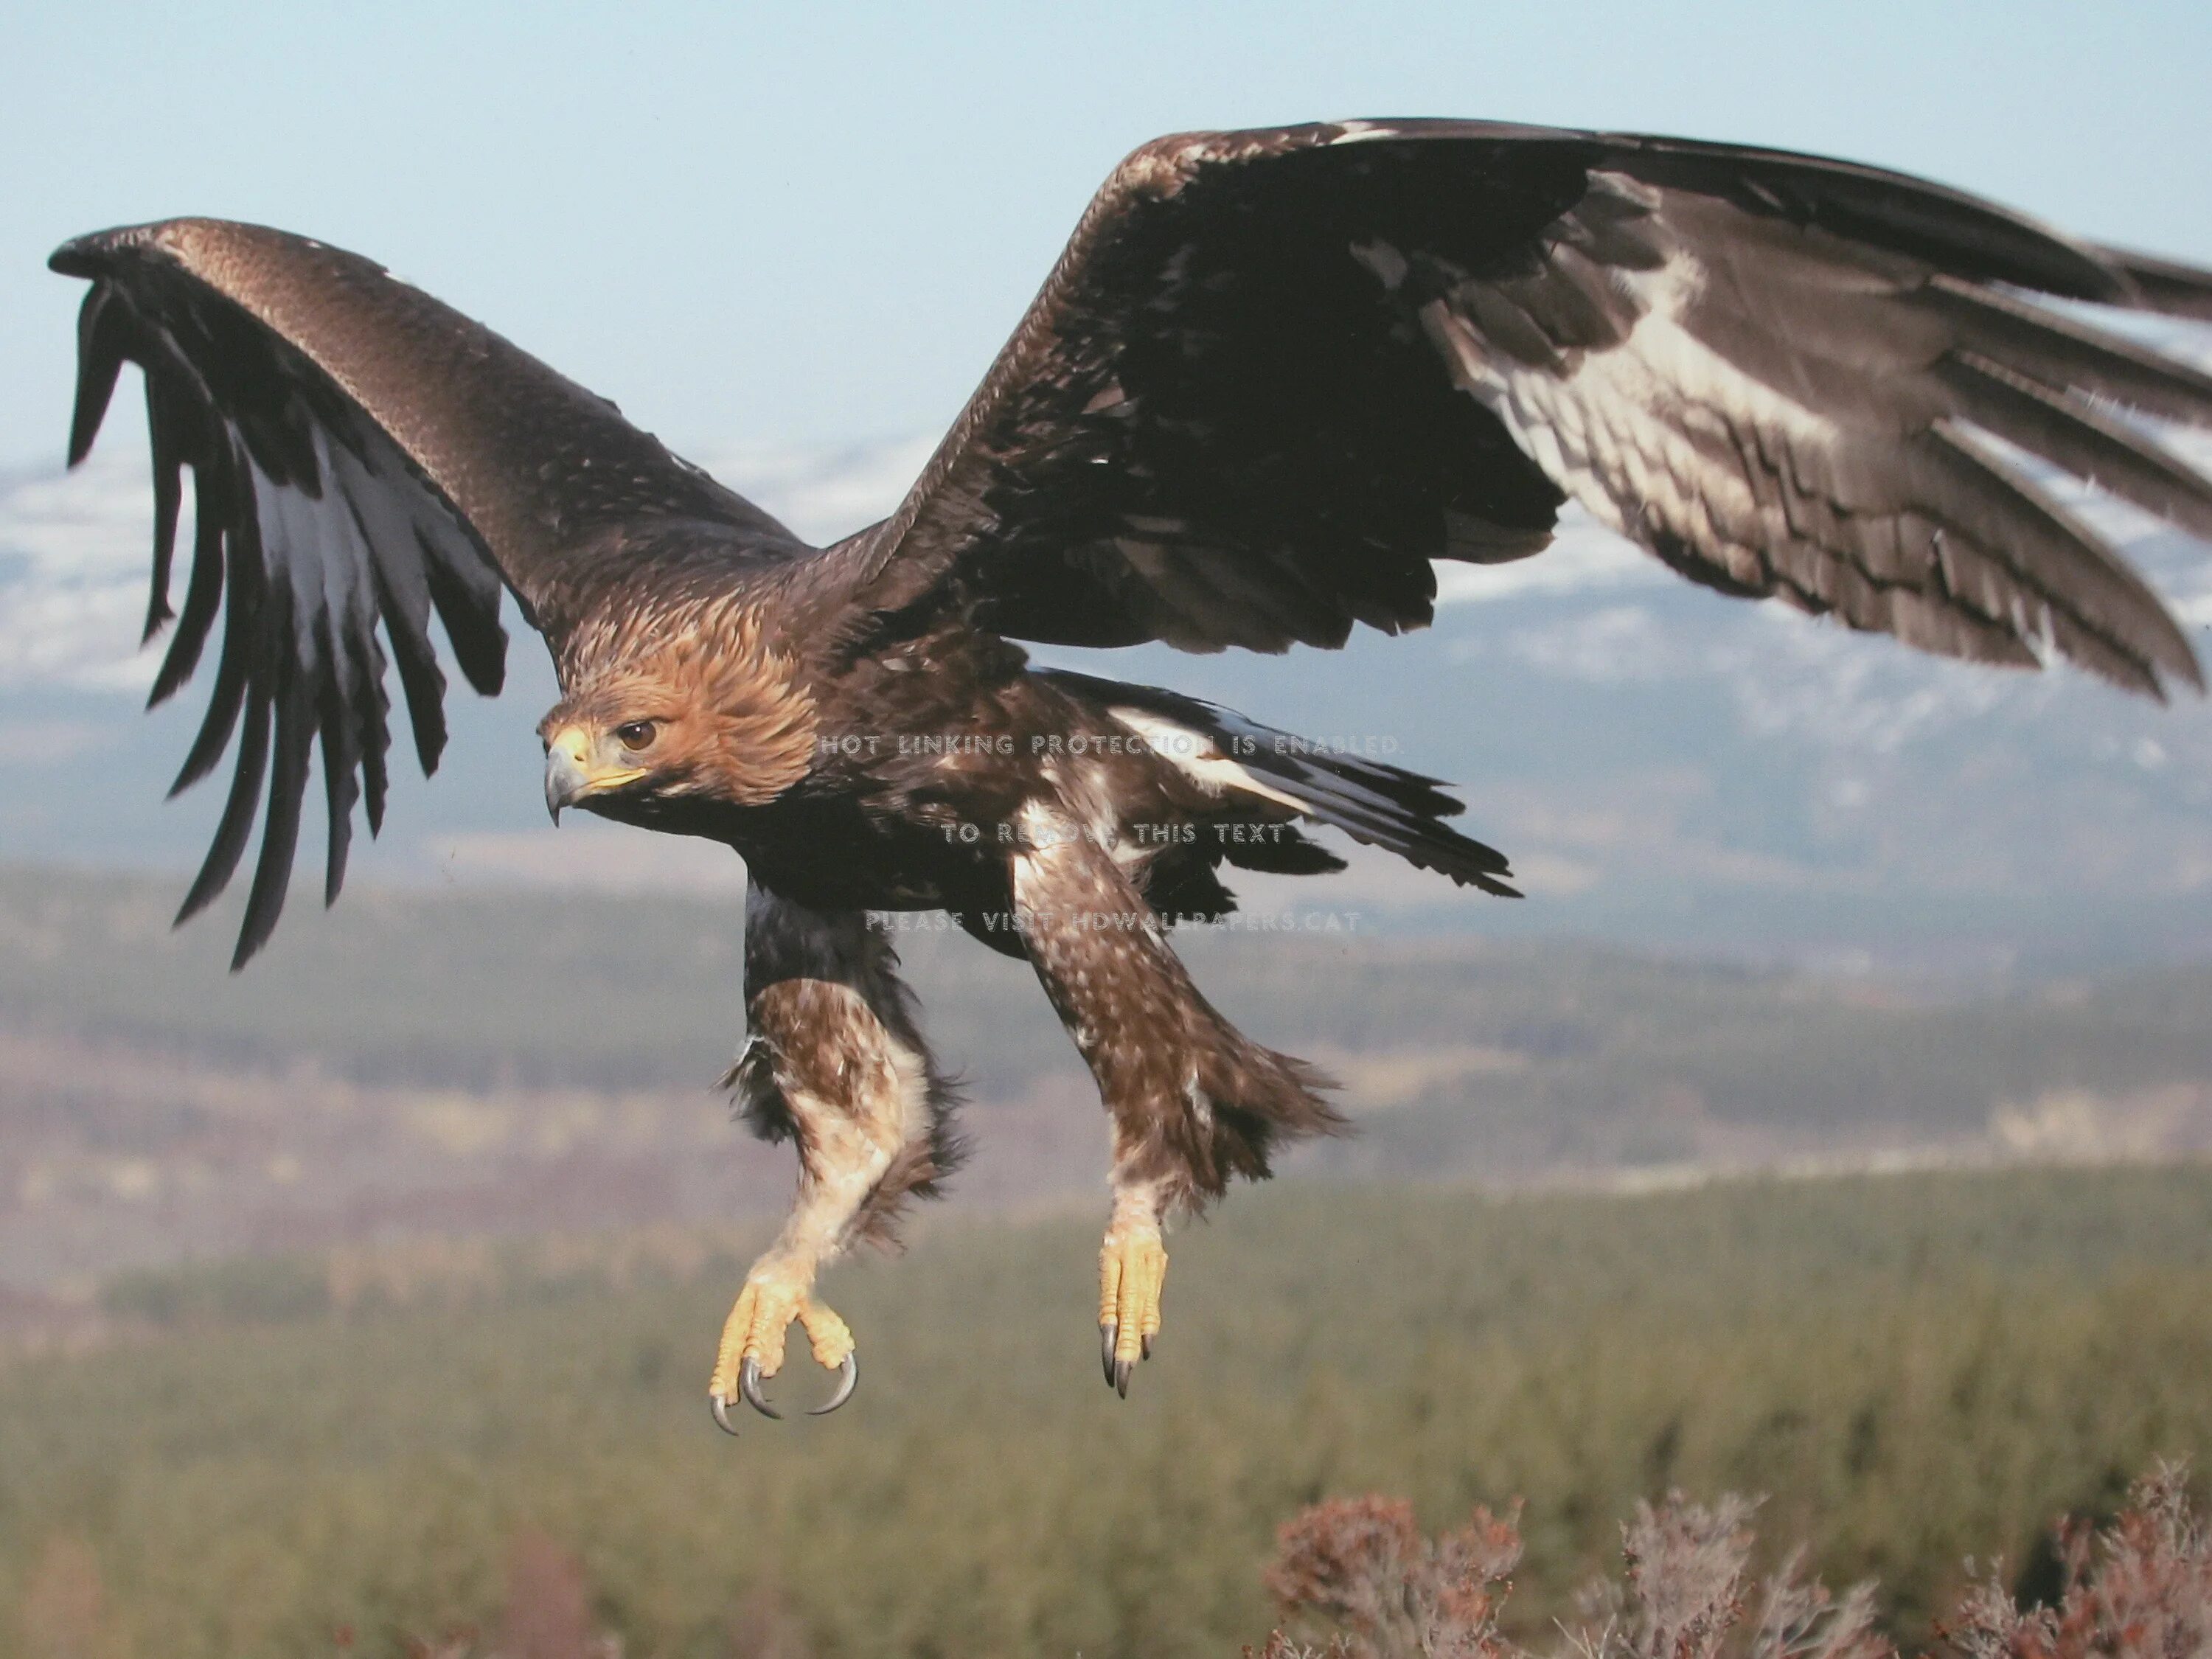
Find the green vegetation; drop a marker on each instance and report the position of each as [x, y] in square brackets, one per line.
[1915, 1369]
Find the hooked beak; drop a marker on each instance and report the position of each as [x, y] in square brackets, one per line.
[573, 773]
[566, 782]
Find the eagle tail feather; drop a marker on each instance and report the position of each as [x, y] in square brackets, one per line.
[1370, 799]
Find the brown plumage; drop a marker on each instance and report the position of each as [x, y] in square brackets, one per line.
[1275, 376]
[735, 724]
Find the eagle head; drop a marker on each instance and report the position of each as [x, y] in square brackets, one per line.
[700, 711]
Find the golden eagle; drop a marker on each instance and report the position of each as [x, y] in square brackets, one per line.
[1273, 377]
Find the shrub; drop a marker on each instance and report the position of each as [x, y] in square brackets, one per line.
[2142, 1588]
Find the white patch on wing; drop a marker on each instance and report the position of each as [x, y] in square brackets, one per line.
[1194, 755]
[1616, 430]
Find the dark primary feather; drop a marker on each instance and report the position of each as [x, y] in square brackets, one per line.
[362, 459]
[1276, 372]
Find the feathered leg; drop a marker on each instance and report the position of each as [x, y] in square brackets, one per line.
[1193, 1100]
[834, 1061]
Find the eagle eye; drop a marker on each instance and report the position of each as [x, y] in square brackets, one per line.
[638, 734]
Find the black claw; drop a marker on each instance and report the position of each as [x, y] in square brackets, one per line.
[848, 1379]
[1108, 1330]
[1121, 1370]
[748, 1386]
[1145, 1346]
[722, 1414]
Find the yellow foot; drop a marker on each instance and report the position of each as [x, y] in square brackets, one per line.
[1132, 1268]
[752, 1347]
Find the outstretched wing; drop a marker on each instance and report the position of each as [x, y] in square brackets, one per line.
[362, 457]
[1276, 372]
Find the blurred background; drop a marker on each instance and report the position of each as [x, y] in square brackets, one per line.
[1827, 1122]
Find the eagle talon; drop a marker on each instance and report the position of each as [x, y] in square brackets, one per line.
[749, 1379]
[848, 1379]
[753, 1348]
[1106, 1329]
[1121, 1370]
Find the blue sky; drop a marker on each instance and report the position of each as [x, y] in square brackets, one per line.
[748, 224]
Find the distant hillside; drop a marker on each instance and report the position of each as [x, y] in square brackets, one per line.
[517, 1061]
